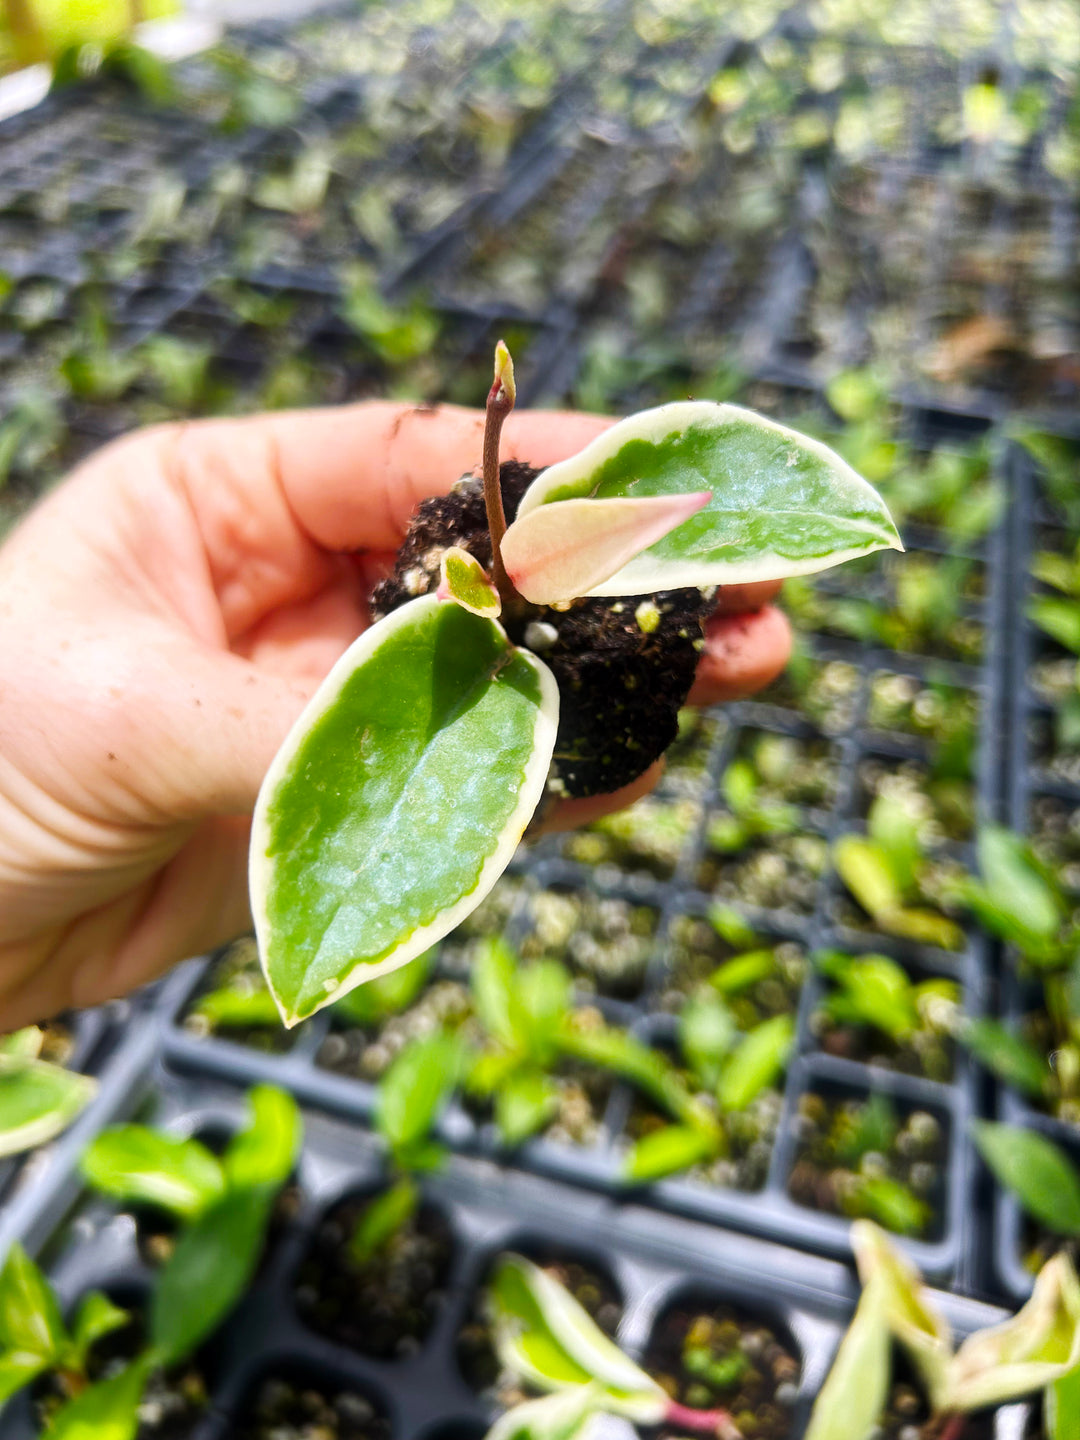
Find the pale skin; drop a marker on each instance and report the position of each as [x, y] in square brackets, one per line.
[164, 614]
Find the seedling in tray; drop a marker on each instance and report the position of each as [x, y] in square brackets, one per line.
[37, 1098]
[1037, 1350]
[401, 793]
[1059, 617]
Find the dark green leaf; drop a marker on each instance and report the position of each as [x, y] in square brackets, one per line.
[133, 1162]
[667, 1152]
[264, 1153]
[207, 1273]
[381, 1220]
[1011, 1059]
[1036, 1170]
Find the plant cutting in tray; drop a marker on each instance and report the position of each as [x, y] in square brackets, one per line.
[1059, 617]
[1042, 1177]
[1037, 1350]
[38, 1099]
[400, 795]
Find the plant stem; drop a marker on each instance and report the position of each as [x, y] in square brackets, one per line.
[500, 402]
[954, 1426]
[705, 1422]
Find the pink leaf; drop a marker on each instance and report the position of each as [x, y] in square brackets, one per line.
[562, 550]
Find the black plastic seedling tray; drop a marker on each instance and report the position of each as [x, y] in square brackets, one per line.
[653, 1264]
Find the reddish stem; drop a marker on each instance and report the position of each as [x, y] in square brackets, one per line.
[954, 1426]
[705, 1422]
[499, 405]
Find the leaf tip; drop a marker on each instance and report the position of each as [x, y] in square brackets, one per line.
[503, 383]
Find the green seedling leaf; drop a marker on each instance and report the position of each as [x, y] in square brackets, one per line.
[465, 581]
[237, 1005]
[908, 1307]
[133, 1162]
[37, 1102]
[95, 1318]
[414, 1089]
[741, 971]
[707, 1030]
[1061, 1407]
[386, 995]
[1037, 1171]
[264, 1153]
[108, 1410]
[866, 872]
[1017, 886]
[563, 1415]
[850, 1402]
[560, 551]
[30, 1321]
[342, 888]
[1059, 618]
[542, 1334]
[757, 1062]
[18, 1049]
[893, 1204]
[207, 1273]
[524, 1103]
[1011, 1058]
[731, 927]
[382, 1219]
[17, 1370]
[782, 504]
[494, 975]
[1037, 1347]
[876, 1128]
[667, 1151]
[541, 1002]
[623, 1054]
[925, 926]
[872, 990]
[895, 831]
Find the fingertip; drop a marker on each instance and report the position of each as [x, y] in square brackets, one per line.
[570, 814]
[742, 654]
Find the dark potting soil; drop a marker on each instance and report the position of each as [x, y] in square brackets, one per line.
[620, 686]
[907, 1415]
[292, 1410]
[173, 1402]
[721, 1358]
[606, 941]
[386, 1307]
[594, 1291]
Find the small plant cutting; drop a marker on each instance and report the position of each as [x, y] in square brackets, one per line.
[1042, 1177]
[544, 1336]
[37, 1098]
[1037, 1350]
[551, 654]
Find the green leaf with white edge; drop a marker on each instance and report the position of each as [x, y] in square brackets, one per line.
[381, 1220]
[95, 1318]
[414, 1088]
[667, 1151]
[464, 580]
[849, 1404]
[524, 1103]
[1008, 1056]
[39, 1101]
[1037, 1347]
[108, 1410]
[757, 1062]
[134, 1162]
[570, 548]
[543, 1335]
[908, 1306]
[19, 1048]
[387, 994]
[265, 1151]
[564, 1415]
[707, 1030]
[1037, 1171]
[17, 1369]
[1017, 883]
[376, 831]
[782, 504]
[208, 1271]
[30, 1320]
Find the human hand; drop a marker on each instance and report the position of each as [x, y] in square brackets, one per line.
[164, 615]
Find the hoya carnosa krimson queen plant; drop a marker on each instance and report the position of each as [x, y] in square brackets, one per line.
[401, 792]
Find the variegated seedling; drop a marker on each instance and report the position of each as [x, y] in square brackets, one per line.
[401, 793]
